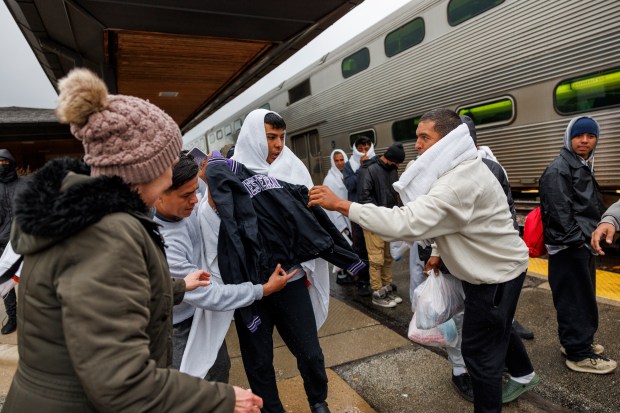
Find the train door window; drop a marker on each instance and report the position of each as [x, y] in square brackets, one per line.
[369, 133]
[211, 137]
[227, 130]
[463, 10]
[355, 63]
[219, 134]
[590, 92]
[299, 92]
[404, 37]
[237, 124]
[307, 147]
[495, 112]
[404, 130]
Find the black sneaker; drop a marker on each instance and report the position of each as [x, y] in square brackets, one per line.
[524, 333]
[364, 290]
[320, 408]
[344, 279]
[463, 386]
[9, 327]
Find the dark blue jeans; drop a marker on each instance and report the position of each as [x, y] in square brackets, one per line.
[290, 311]
[572, 277]
[489, 342]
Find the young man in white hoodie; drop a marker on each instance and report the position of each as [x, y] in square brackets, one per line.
[450, 196]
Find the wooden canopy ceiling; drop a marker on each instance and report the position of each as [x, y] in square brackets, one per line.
[189, 57]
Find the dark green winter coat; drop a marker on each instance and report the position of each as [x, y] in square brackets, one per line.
[95, 303]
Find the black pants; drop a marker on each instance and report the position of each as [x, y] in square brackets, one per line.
[359, 246]
[489, 342]
[572, 277]
[290, 311]
[10, 304]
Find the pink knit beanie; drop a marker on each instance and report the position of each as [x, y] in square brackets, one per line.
[122, 135]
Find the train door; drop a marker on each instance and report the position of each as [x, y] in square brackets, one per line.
[307, 147]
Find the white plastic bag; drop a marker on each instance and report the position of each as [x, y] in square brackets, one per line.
[398, 249]
[444, 335]
[437, 300]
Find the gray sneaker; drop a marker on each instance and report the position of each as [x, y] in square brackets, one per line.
[391, 295]
[381, 299]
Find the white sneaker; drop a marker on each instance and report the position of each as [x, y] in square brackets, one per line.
[594, 364]
[381, 299]
[596, 349]
[390, 293]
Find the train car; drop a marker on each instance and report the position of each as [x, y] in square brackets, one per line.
[520, 68]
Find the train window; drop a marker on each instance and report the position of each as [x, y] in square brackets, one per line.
[404, 130]
[356, 62]
[299, 92]
[266, 106]
[404, 37]
[219, 134]
[593, 91]
[227, 130]
[369, 133]
[500, 111]
[237, 124]
[463, 10]
[211, 137]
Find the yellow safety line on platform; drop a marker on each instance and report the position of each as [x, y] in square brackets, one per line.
[607, 283]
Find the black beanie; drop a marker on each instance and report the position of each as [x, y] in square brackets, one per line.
[395, 153]
[472, 127]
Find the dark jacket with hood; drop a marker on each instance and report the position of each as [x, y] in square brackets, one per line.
[374, 185]
[499, 173]
[265, 222]
[9, 183]
[570, 200]
[96, 302]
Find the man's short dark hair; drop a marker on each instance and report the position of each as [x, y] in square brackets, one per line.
[446, 120]
[275, 121]
[363, 140]
[185, 170]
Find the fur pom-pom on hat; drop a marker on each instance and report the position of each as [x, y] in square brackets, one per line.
[122, 135]
[82, 93]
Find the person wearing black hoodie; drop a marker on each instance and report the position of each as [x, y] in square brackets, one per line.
[9, 182]
[375, 187]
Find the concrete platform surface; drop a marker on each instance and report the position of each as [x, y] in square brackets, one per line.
[373, 367]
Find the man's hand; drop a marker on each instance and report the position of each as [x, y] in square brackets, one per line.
[363, 158]
[277, 280]
[604, 230]
[433, 263]
[195, 279]
[324, 197]
[246, 401]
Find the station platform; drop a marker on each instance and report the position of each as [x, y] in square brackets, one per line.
[373, 367]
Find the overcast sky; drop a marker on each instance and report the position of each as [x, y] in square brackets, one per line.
[23, 83]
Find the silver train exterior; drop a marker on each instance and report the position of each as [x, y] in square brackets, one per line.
[537, 57]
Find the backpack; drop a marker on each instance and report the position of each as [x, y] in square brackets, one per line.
[533, 234]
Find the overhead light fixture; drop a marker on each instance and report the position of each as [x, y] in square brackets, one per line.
[168, 94]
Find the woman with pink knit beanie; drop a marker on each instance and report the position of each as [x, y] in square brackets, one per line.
[96, 296]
